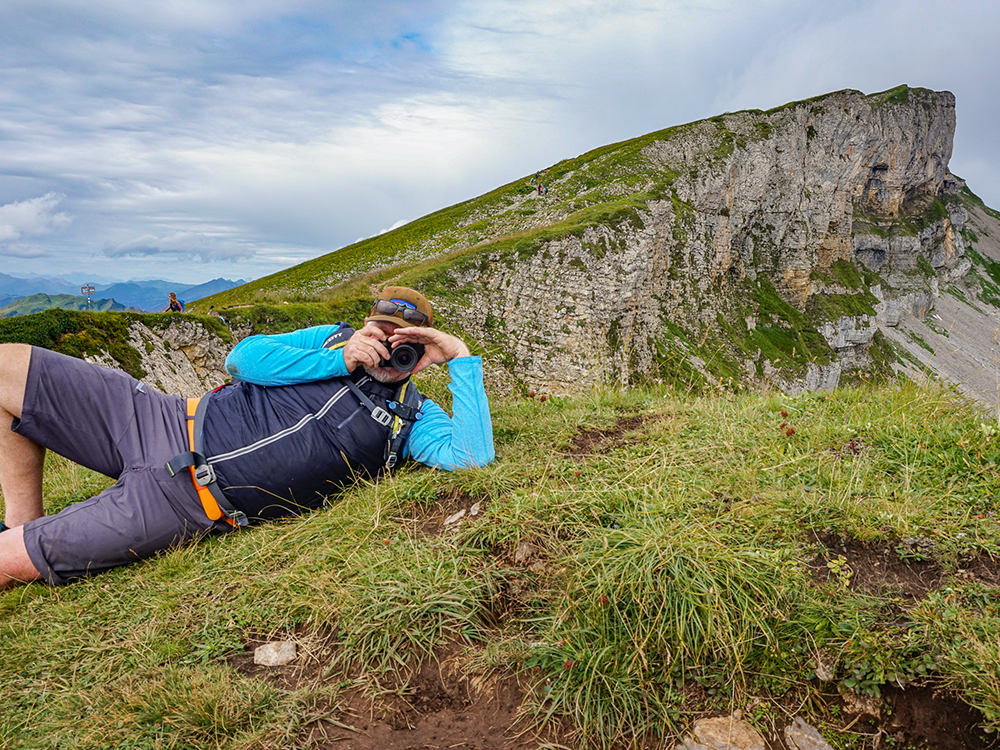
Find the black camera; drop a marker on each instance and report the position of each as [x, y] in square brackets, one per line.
[404, 357]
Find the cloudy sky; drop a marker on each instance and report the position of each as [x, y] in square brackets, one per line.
[191, 139]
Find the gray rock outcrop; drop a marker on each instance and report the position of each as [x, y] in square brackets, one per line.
[721, 223]
[184, 359]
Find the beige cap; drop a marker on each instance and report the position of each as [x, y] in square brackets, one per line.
[407, 299]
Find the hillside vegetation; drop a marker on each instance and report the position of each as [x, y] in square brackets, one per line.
[631, 560]
[104, 335]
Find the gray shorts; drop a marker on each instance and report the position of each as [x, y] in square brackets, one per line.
[108, 421]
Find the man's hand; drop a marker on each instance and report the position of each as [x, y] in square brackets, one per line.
[371, 344]
[439, 347]
[366, 347]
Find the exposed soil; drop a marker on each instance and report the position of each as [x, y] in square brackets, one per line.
[879, 569]
[938, 720]
[442, 707]
[439, 709]
[904, 568]
[315, 650]
[921, 718]
[438, 706]
[594, 440]
[449, 512]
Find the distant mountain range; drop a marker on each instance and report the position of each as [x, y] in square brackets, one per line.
[38, 302]
[148, 296]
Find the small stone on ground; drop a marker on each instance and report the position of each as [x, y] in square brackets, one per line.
[274, 654]
[801, 736]
[725, 733]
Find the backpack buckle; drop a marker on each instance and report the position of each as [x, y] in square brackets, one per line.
[381, 416]
[204, 475]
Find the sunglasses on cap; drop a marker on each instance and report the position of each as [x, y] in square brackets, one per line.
[398, 310]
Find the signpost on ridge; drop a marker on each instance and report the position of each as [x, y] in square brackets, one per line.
[87, 290]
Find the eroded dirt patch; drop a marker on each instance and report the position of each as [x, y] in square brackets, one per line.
[441, 708]
[438, 705]
[878, 569]
[447, 513]
[442, 705]
[594, 440]
[315, 650]
[982, 568]
[901, 568]
[924, 718]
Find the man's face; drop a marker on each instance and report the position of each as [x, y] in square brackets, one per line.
[388, 374]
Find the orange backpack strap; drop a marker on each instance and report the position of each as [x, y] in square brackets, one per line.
[215, 503]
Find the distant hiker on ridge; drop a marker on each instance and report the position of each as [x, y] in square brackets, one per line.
[215, 314]
[309, 413]
[174, 305]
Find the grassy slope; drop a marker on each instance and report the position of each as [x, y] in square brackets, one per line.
[604, 184]
[683, 553]
[598, 177]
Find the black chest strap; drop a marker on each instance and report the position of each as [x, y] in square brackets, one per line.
[407, 408]
[379, 414]
[201, 471]
[403, 412]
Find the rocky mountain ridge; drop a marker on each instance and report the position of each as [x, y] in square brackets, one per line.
[767, 248]
[185, 358]
[776, 249]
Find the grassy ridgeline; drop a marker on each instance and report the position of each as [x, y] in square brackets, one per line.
[630, 546]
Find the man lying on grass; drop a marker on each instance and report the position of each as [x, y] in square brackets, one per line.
[310, 412]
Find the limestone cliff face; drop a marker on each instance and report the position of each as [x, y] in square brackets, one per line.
[183, 359]
[770, 245]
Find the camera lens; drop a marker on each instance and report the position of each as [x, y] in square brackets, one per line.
[405, 356]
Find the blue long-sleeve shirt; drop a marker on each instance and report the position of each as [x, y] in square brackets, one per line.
[464, 440]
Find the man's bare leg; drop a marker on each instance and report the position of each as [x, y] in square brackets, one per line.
[15, 565]
[21, 462]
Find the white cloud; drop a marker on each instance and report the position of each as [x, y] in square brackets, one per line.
[180, 245]
[18, 250]
[33, 217]
[395, 225]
